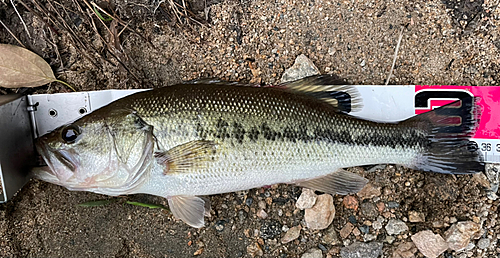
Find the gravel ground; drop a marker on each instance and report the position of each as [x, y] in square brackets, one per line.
[444, 42]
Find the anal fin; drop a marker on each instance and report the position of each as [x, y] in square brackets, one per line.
[339, 182]
[190, 209]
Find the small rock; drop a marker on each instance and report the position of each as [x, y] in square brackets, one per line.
[381, 206]
[429, 244]
[321, 215]
[307, 199]
[415, 216]
[365, 229]
[346, 230]
[303, 67]
[270, 229]
[292, 234]
[363, 63]
[262, 214]
[396, 227]
[368, 192]
[312, 253]
[483, 243]
[350, 202]
[482, 180]
[458, 235]
[362, 250]
[219, 226]
[369, 210]
[377, 225]
[391, 205]
[255, 250]
[390, 239]
[330, 237]
[369, 237]
[405, 250]
[437, 224]
[262, 205]
[356, 232]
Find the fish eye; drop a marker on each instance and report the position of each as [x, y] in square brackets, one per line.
[70, 134]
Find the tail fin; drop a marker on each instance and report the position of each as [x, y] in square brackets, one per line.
[448, 148]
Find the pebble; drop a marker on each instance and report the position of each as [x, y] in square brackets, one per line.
[249, 201]
[330, 237]
[362, 250]
[396, 227]
[458, 235]
[405, 250]
[482, 180]
[483, 243]
[390, 239]
[270, 229]
[307, 199]
[415, 216]
[346, 230]
[369, 237]
[303, 67]
[391, 205]
[364, 229]
[381, 206]
[321, 215]
[429, 244]
[262, 204]
[369, 210]
[292, 234]
[377, 225]
[262, 214]
[368, 192]
[255, 250]
[350, 202]
[312, 253]
[219, 226]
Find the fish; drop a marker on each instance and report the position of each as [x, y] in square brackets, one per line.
[191, 140]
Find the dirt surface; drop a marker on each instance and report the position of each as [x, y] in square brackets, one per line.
[444, 42]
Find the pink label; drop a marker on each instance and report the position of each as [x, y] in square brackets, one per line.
[432, 96]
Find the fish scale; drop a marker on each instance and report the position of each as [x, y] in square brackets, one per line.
[309, 140]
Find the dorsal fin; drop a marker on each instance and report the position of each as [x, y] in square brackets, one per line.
[330, 89]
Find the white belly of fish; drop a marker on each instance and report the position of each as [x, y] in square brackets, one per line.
[255, 165]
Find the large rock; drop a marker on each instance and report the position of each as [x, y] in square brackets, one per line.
[321, 215]
[303, 67]
[429, 244]
[459, 235]
[306, 200]
[362, 250]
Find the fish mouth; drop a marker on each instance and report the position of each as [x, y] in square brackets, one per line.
[59, 163]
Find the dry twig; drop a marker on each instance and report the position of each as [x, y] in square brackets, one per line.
[395, 55]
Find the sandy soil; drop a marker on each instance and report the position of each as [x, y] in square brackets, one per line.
[444, 42]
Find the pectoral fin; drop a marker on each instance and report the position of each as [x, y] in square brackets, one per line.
[339, 182]
[186, 157]
[189, 209]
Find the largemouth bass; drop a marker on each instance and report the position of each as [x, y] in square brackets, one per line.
[190, 140]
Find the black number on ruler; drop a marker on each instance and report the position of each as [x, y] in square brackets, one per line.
[486, 146]
[498, 147]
